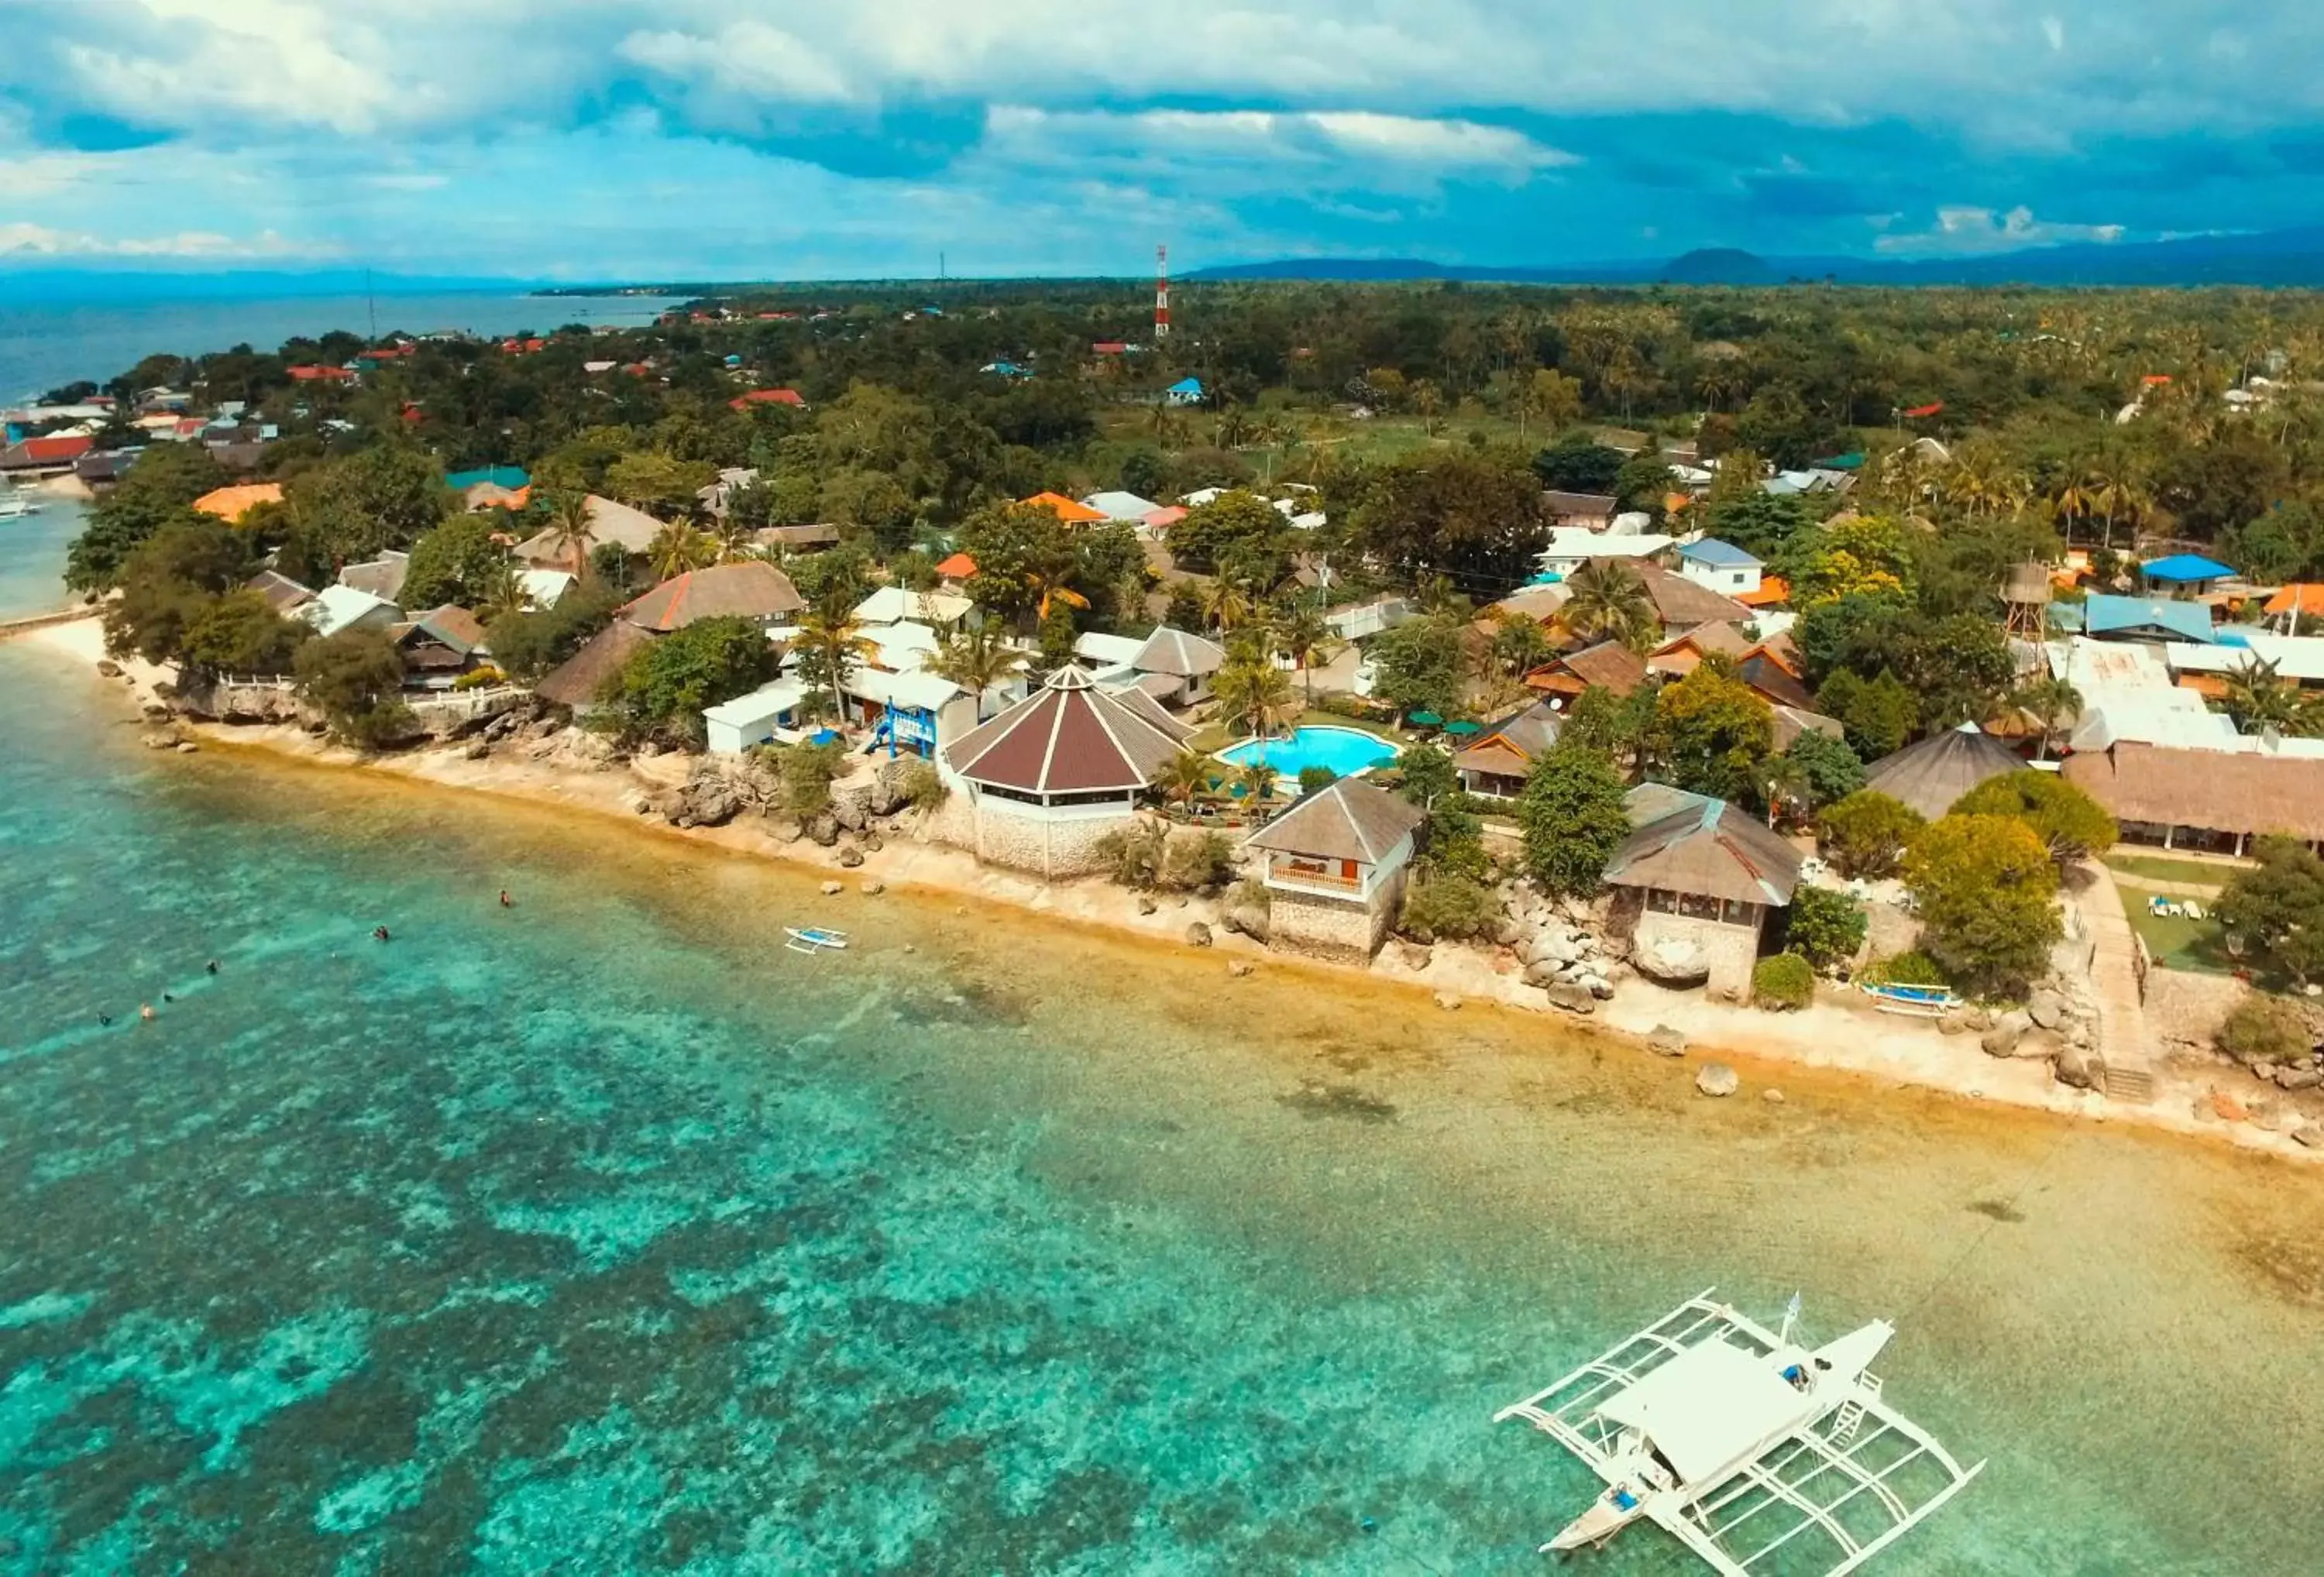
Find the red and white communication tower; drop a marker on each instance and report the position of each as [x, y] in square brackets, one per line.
[1161, 292]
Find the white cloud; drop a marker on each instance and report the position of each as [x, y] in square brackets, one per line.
[744, 60]
[22, 239]
[1967, 230]
[1442, 145]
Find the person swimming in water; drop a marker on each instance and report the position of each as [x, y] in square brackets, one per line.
[145, 1012]
[379, 933]
[103, 1018]
[506, 901]
[212, 966]
[168, 998]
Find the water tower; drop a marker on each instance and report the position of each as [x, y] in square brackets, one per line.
[2025, 592]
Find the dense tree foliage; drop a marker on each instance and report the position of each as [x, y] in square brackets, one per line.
[1711, 733]
[1824, 927]
[662, 692]
[2071, 825]
[1572, 817]
[159, 490]
[1986, 890]
[1868, 834]
[2274, 912]
[356, 678]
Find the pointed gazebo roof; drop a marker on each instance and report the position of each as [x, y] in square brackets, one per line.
[1067, 737]
[1930, 776]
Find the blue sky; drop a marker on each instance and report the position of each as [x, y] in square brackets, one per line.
[598, 139]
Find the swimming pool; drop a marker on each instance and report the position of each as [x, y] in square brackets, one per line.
[1346, 751]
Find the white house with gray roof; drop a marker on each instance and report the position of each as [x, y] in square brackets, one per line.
[1334, 866]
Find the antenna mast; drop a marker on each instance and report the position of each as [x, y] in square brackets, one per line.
[1161, 294]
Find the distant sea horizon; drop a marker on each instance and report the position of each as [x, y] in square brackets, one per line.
[47, 343]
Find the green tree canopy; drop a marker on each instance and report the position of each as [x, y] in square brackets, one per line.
[1572, 817]
[168, 583]
[455, 562]
[239, 632]
[1712, 732]
[159, 490]
[351, 509]
[1868, 832]
[2274, 912]
[1473, 515]
[1828, 769]
[1824, 927]
[2071, 825]
[1417, 665]
[1985, 887]
[356, 678]
[662, 693]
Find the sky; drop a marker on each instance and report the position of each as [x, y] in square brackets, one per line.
[599, 140]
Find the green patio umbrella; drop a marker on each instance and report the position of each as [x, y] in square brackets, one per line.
[1464, 726]
[1426, 720]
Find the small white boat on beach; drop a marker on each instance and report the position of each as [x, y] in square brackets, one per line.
[1758, 1453]
[16, 505]
[812, 939]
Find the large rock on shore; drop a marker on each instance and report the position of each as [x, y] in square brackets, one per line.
[1573, 998]
[1198, 935]
[1716, 1078]
[2008, 1030]
[2080, 1067]
[1249, 918]
[1673, 963]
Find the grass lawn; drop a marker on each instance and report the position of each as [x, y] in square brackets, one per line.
[2164, 868]
[2177, 943]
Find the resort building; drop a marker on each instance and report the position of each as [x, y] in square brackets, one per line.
[633, 529]
[544, 588]
[1189, 660]
[1121, 507]
[1682, 653]
[1572, 547]
[439, 646]
[753, 589]
[1720, 567]
[944, 612]
[1335, 866]
[1046, 780]
[2183, 575]
[579, 683]
[2211, 800]
[766, 715]
[1590, 512]
[1702, 876]
[284, 595]
[1609, 664]
[1495, 763]
[1929, 777]
[2111, 618]
[1681, 604]
[381, 577]
[343, 608]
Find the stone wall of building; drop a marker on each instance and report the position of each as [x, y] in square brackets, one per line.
[999, 833]
[1732, 950]
[1314, 926]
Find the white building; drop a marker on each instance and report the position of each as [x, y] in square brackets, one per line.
[1721, 567]
[1572, 547]
[343, 608]
[1335, 869]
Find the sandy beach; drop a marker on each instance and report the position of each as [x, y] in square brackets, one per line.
[1835, 1037]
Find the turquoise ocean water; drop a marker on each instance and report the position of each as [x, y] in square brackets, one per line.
[601, 1235]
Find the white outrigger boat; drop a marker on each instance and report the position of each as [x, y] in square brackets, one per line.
[813, 939]
[15, 504]
[1760, 1456]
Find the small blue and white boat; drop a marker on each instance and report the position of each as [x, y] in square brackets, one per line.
[813, 939]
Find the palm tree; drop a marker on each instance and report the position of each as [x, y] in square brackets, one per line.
[1521, 645]
[501, 595]
[1182, 776]
[1046, 583]
[1610, 601]
[1259, 779]
[1786, 781]
[977, 659]
[571, 532]
[2258, 701]
[678, 547]
[1256, 695]
[1226, 603]
[1300, 634]
[2050, 701]
[829, 643]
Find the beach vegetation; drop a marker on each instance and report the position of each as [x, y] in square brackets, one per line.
[2272, 913]
[1573, 819]
[1254, 695]
[480, 678]
[456, 562]
[1868, 832]
[355, 679]
[661, 694]
[1131, 856]
[1910, 967]
[169, 581]
[1987, 892]
[1782, 982]
[238, 631]
[1825, 925]
[922, 785]
[1446, 905]
[1314, 778]
[528, 644]
[1711, 733]
[1196, 861]
[807, 772]
[159, 490]
[2071, 824]
[2262, 1029]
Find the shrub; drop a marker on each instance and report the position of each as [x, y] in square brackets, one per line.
[1868, 832]
[1827, 927]
[923, 786]
[1573, 818]
[2069, 821]
[1316, 778]
[2266, 1029]
[1447, 904]
[1985, 886]
[478, 678]
[1131, 856]
[1782, 983]
[1906, 969]
[1200, 861]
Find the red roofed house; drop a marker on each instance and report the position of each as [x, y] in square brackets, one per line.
[1050, 777]
[956, 571]
[1918, 412]
[1109, 347]
[314, 372]
[51, 454]
[767, 397]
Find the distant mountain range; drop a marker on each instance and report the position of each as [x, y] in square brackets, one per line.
[2276, 258]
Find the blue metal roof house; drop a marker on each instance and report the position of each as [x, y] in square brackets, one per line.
[1184, 392]
[2187, 572]
[1722, 567]
[2111, 618]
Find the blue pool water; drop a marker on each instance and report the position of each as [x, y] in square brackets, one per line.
[1346, 751]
